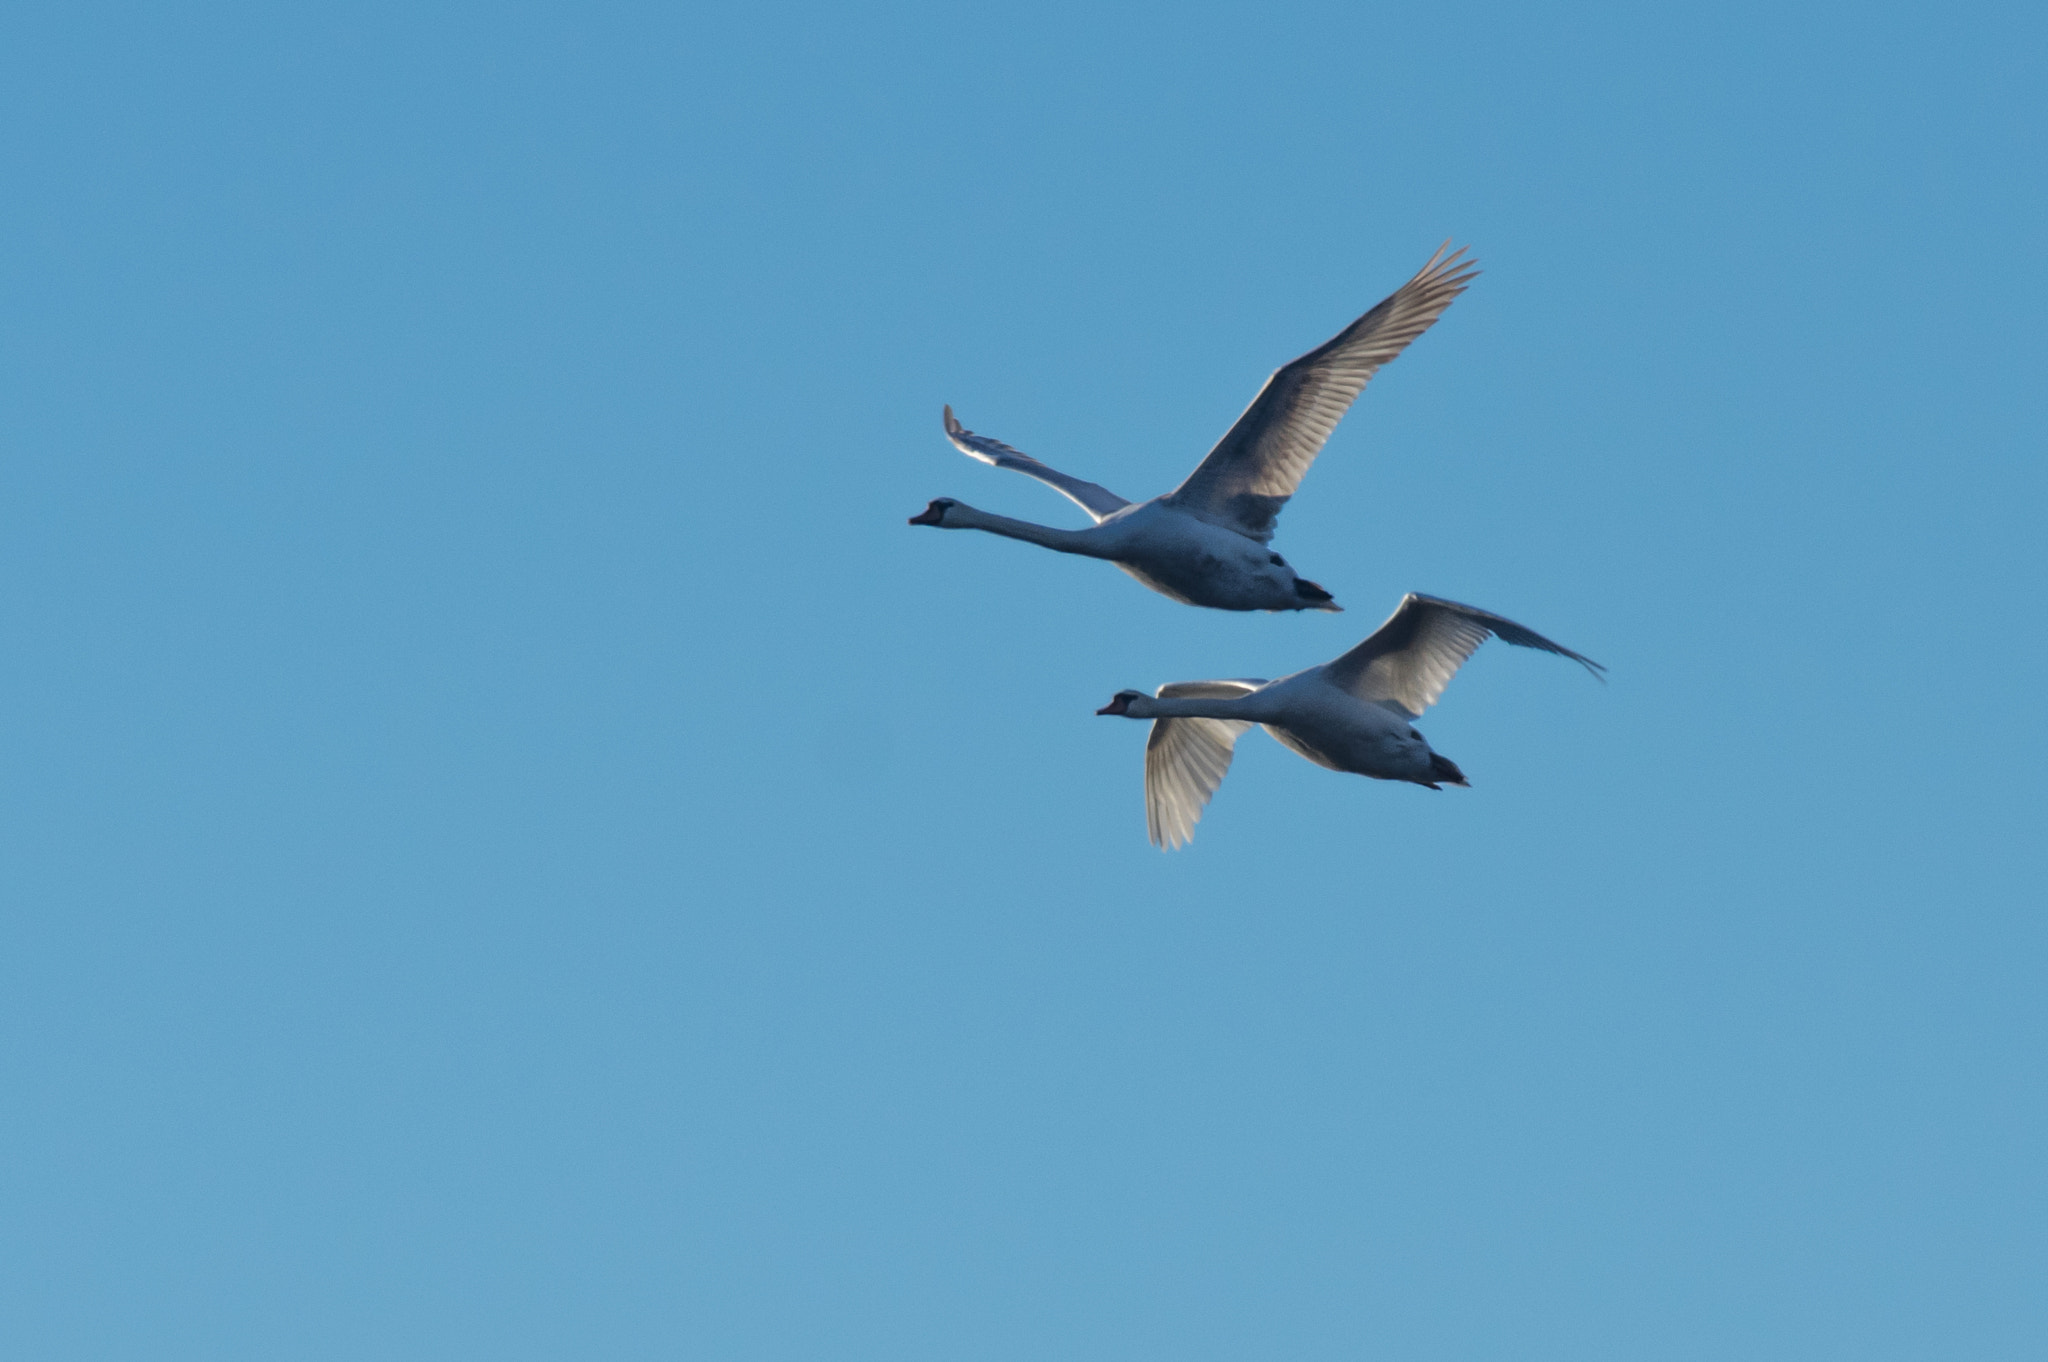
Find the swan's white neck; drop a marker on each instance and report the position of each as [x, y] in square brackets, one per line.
[1245, 708]
[961, 516]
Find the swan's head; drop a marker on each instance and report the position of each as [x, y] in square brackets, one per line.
[935, 514]
[1120, 703]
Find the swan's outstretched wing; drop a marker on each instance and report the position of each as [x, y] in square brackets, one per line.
[1096, 501]
[1411, 658]
[1259, 462]
[1186, 759]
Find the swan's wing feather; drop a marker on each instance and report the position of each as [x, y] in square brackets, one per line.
[1096, 501]
[1259, 462]
[1186, 759]
[1411, 658]
[1209, 690]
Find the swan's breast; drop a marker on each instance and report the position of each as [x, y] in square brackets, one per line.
[1337, 730]
[1189, 559]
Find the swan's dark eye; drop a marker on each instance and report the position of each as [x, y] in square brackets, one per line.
[1277, 561]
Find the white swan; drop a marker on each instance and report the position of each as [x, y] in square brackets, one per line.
[1352, 714]
[1204, 543]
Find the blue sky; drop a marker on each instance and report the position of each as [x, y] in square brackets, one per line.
[510, 848]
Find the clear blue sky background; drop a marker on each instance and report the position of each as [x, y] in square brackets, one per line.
[512, 849]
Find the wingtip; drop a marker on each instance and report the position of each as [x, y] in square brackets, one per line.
[1597, 669]
[952, 425]
[1447, 263]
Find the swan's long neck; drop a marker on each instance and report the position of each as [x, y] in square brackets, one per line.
[1244, 708]
[961, 516]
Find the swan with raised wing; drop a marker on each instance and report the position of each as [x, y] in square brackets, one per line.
[1204, 543]
[1352, 714]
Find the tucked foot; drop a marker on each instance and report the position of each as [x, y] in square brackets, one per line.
[1317, 598]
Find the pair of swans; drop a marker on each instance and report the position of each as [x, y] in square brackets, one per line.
[1205, 543]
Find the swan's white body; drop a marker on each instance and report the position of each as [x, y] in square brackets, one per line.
[1204, 543]
[1174, 553]
[1351, 714]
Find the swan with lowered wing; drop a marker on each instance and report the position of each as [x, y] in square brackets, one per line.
[1353, 714]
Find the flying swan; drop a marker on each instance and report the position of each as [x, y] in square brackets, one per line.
[1204, 543]
[1353, 714]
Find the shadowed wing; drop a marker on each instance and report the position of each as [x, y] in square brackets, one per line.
[1260, 461]
[1096, 501]
[1186, 759]
[1411, 658]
